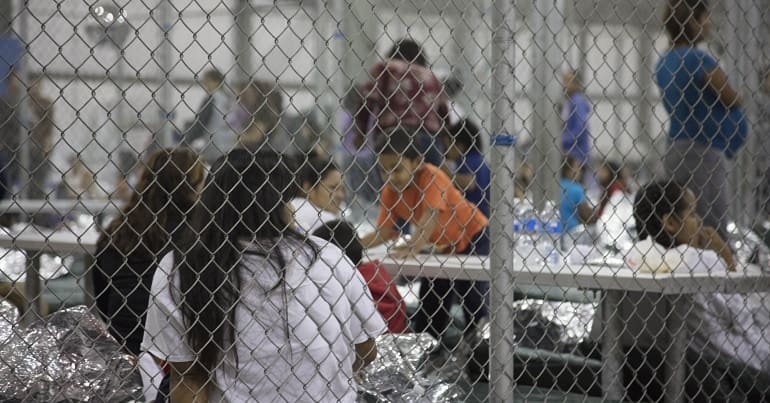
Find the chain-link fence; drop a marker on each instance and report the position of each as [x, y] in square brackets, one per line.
[419, 201]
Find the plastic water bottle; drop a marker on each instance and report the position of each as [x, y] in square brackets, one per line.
[525, 229]
[549, 242]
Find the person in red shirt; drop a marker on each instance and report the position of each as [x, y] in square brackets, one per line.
[612, 178]
[390, 303]
[403, 91]
[424, 196]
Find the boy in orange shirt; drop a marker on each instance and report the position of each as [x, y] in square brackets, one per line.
[423, 195]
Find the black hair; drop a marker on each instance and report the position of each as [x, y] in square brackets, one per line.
[466, 134]
[409, 51]
[401, 142]
[242, 207]
[677, 17]
[343, 235]
[315, 170]
[214, 75]
[615, 169]
[652, 204]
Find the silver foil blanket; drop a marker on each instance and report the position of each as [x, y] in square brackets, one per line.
[407, 371]
[557, 326]
[748, 246]
[68, 356]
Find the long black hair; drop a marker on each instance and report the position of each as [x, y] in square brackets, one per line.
[243, 206]
[652, 204]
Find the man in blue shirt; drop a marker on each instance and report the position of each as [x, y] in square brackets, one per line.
[471, 173]
[576, 111]
[574, 209]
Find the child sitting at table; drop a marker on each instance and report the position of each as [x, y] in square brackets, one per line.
[727, 345]
[389, 301]
[672, 234]
[574, 208]
[423, 195]
[471, 175]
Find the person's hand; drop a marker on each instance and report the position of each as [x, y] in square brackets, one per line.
[402, 253]
[709, 238]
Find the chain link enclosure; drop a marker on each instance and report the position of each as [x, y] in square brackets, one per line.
[499, 200]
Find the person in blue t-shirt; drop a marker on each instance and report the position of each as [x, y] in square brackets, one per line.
[463, 146]
[574, 208]
[707, 123]
[576, 112]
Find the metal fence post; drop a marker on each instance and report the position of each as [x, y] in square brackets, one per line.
[165, 62]
[503, 168]
[547, 24]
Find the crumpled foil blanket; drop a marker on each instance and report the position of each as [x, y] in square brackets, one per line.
[67, 356]
[407, 370]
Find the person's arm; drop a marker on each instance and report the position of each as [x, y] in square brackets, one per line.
[716, 79]
[586, 214]
[421, 237]
[381, 235]
[386, 221]
[709, 238]
[366, 352]
[189, 383]
[465, 181]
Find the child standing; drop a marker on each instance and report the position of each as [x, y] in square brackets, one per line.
[423, 195]
[463, 146]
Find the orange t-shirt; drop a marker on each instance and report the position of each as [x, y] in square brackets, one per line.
[458, 219]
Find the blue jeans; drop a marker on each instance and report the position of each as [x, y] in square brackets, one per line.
[437, 296]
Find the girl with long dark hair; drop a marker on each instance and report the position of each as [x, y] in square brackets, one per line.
[132, 244]
[250, 310]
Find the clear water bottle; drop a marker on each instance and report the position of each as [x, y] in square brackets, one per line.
[526, 227]
[549, 242]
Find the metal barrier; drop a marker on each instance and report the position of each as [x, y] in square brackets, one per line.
[384, 201]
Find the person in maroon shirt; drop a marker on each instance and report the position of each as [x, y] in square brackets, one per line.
[403, 91]
[612, 178]
[390, 303]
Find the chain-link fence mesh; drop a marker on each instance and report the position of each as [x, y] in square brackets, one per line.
[420, 201]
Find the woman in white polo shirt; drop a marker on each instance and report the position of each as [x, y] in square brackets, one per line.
[249, 310]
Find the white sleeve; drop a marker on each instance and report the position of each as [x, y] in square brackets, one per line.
[697, 260]
[164, 332]
[368, 320]
[365, 321]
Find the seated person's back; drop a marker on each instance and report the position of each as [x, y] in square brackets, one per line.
[574, 208]
[133, 243]
[292, 319]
